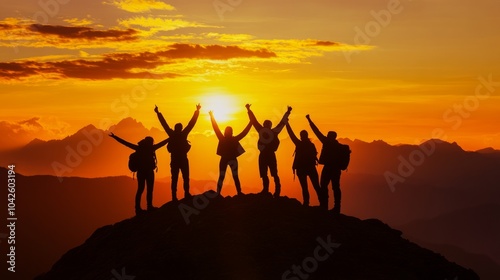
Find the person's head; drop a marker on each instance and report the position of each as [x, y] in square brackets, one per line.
[268, 124]
[178, 127]
[228, 132]
[148, 141]
[304, 135]
[332, 135]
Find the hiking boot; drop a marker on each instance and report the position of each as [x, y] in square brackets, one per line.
[276, 195]
[240, 193]
[151, 208]
[187, 195]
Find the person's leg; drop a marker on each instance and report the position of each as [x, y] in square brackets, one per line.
[273, 168]
[323, 182]
[313, 176]
[185, 176]
[337, 194]
[150, 181]
[234, 170]
[141, 182]
[263, 173]
[303, 184]
[222, 174]
[174, 169]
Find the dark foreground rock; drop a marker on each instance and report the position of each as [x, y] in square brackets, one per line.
[250, 237]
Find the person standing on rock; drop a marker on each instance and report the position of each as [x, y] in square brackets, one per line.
[334, 158]
[229, 148]
[144, 161]
[304, 163]
[268, 144]
[178, 147]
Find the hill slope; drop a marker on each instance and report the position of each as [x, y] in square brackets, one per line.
[250, 237]
[475, 229]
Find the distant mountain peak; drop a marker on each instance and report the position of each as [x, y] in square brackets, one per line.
[35, 142]
[488, 150]
[380, 142]
[129, 122]
[443, 144]
[258, 236]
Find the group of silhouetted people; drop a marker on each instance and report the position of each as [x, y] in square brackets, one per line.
[229, 149]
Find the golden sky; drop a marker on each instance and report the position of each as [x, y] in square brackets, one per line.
[399, 71]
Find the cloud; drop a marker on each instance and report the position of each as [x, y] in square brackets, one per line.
[216, 52]
[78, 21]
[25, 33]
[4, 26]
[126, 65]
[326, 43]
[294, 51]
[237, 38]
[141, 6]
[16, 134]
[31, 124]
[156, 24]
[84, 33]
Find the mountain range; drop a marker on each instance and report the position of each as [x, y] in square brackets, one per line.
[439, 195]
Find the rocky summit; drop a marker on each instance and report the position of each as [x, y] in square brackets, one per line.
[253, 237]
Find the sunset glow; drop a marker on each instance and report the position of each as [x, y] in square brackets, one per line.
[390, 70]
[223, 106]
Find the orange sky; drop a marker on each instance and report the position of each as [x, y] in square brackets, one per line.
[391, 70]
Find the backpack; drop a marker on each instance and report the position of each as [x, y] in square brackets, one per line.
[305, 155]
[134, 161]
[178, 145]
[336, 154]
[344, 156]
[138, 159]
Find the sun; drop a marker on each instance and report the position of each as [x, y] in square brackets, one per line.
[223, 106]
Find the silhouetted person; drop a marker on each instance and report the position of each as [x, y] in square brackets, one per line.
[331, 169]
[268, 144]
[145, 171]
[178, 148]
[229, 148]
[305, 164]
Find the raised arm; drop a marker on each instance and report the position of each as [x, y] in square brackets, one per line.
[161, 144]
[193, 120]
[163, 122]
[123, 142]
[283, 121]
[215, 126]
[294, 138]
[253, 119]
[316, 131]
[244, 132]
